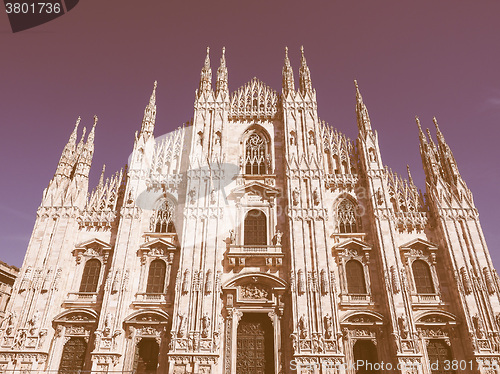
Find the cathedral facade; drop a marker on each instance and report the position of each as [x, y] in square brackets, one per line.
[255, 239]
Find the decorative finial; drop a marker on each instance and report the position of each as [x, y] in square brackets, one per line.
[152, 99]
[286, 52]
[95, 120]
[223, 51]
[101, 179]
[410, 179]
[356, 84]
[302, 58]
[417, 120]
[435, 123]
[207, 58]
[78, 121]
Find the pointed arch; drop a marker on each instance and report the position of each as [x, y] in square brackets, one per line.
[346, 215]
[257, 151]
[162, 220]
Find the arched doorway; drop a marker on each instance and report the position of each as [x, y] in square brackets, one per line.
[73, 355]
[365, 357]
[146, 356]
[438, 352]
[255, 345]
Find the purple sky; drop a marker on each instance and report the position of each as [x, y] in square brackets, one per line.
[426, 58]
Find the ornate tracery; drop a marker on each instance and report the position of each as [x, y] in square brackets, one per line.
[256, 154]
[346, 217]
[163, 218]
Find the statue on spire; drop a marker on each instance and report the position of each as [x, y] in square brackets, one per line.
[304, 74]
[221, 84]
[288, 83]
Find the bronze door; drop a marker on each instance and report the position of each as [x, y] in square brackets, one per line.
[439, 357]
[73, 356]
[255, 349]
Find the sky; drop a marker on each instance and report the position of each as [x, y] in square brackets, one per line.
[425, 58]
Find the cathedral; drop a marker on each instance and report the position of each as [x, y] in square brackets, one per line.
[255, 239]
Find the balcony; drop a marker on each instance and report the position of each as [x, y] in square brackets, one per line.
[356, 299]
[255, 255]
[144, 299]
[426, 299]
[83, 299]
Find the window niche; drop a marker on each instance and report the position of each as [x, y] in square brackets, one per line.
[158, 259]
[419, 258]
[91, 265]
[353, 257]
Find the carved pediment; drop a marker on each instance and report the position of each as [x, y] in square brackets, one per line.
[158, 243]
[256, 188]
[93, 248]
[436, 318]
[356, 318]
[148, 317]
[353, 247]
[419, 243]
[157, 248]
[419, 248]
[77, 316]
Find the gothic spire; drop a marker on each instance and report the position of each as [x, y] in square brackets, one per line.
[206, 75]
[439, 134]
[221, 84]
[90, 138]
[304, 74]
[64, 165]
[364, 124]
[148, 121]
[447, 158]
[410, 179]
[101, 178]
[80, 143]
[288, 83]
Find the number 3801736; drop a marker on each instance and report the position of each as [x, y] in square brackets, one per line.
[32, 8]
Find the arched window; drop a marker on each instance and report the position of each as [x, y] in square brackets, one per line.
[439, 355]
[355, 277]
[73, 355]
[255, 155]
[90, 277]
[156, 277]
[346, 217]
[255, 228]
[423, 277]
[163, 218]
